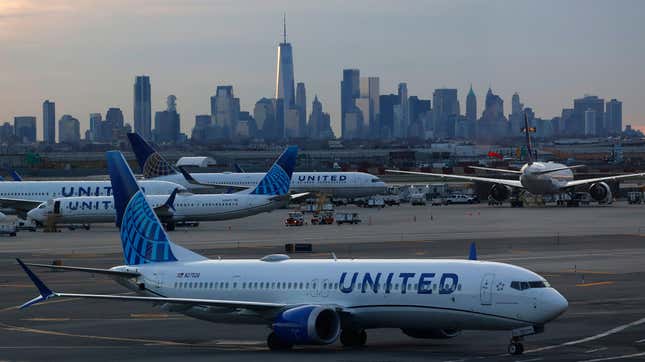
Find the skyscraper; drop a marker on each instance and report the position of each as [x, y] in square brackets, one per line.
[49, 122]
[369, 89]
[284, 84]
[69, 130]
[142, 107]
[25, 128]
[95, 126]
[386, 114]
[167, 123]
[445, 112]
[301, 104]
[349, 91]
[516, 118]
[225, 109]
[579, 120]
[319, 126]
[614, 117]
[471, 105]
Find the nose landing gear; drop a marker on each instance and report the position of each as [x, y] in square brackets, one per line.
[516, 347]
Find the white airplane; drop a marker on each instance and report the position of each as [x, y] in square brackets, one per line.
[338, 184]
[316, 301]
[270, 193]
[538, 178]
[22, 196]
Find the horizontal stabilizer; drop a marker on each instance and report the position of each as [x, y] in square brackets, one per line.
[226, 188]
[558, 169]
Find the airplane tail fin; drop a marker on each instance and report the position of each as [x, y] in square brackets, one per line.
[151, 162]
[278, 180]
[238, 168]
[527, 132]
[472, 254]
[142, 235]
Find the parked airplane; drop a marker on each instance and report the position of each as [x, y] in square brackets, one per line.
[22, 196]
[538, 178]
[339, 184]
[316, 301]
[270, 193]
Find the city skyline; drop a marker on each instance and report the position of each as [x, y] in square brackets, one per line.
[84, 83]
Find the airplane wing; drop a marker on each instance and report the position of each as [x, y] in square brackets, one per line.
[600, 179]
[46, 293]
[227, 188]
[501, 181]
[501, 170]
[117, 273]
[21, 206]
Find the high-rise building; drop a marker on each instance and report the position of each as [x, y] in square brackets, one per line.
[516, 118]
[578, 118]
[349, 91]
[301, 104]
[264, 115]
[69, 130]
[142, 107]
[292, 123]
[49, 122]
[471, 105]
[444, 112]
[319, 126]
[95, 126]
[369, 89]
[493, 124]
[614, 117]
[203, 123]
[590, 122]
[284, 84]
[25, 128]
[401, 127]
[6, 133]
[167, 123]
[386, 115]
[225, 109]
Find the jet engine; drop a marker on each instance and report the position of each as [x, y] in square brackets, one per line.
[434, 333]
[600, 192]
[307, 324]
[500, 192]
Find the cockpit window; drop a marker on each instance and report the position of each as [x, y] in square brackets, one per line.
[530, 285]
[42, 206]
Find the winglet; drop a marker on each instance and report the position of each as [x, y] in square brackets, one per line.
[170, 203]
[45, 292]
[15, 175]
[472, 255]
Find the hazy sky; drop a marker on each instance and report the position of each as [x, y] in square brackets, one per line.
[84, 54]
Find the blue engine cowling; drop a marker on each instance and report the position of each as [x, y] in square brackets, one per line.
[307, 324]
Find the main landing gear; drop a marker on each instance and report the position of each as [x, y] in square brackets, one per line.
[516, 347]
[353, 337]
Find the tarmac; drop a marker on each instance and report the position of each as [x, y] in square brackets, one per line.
[592, 255]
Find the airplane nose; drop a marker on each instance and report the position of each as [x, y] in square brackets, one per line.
[554, 305]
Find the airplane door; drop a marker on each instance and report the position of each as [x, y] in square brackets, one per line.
[486, 291]
[57, 207]
[325, 290]
[157, 280]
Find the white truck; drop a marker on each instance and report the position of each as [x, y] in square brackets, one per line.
[8, 229]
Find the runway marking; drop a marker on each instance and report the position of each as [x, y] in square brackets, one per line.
[9, 327]
[582, 271]
[529, 360]
[615, 357]
[596, 350]
[591, 338]
[640, 340]
[16, 285]
[594, 284]
[149, 315]
[46, 319]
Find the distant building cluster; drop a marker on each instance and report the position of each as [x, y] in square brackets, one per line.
[365, 114]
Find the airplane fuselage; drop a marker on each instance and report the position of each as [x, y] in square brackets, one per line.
[414, 294]
[537, 182]
[191, 207]
[338, 184]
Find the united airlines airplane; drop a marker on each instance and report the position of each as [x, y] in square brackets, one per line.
[270, 193]
[315, 301]
[538, 178]
[339, 184]
[22, 196]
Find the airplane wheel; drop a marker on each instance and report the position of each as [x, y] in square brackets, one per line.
[275, 344]
[515, 348]
[353, 338]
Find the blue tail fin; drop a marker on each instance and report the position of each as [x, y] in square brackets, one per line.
[238, 168]
[142, 235]
[278, 180]
[151, 162]
[472, 255]
[15, 175]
